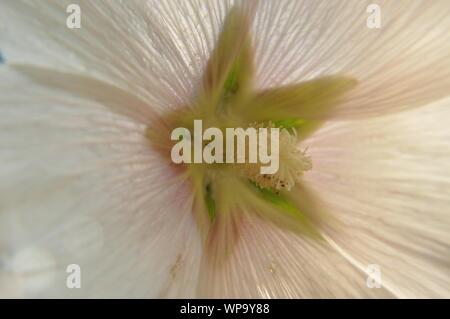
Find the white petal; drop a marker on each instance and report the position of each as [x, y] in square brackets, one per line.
[401, 65]
[270, 262]
[80, 184]
[385, 184]
[158, 49]
[135, 45]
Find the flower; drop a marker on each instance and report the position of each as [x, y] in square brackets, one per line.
[83, 180]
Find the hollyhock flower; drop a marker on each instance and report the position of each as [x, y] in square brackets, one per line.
[87, 180]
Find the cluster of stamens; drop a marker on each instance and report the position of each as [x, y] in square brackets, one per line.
[293, 162]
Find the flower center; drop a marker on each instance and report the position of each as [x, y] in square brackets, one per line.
[227, 99]
[265, 154]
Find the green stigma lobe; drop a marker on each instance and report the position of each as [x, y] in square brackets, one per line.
[311, 100]
[276, 199]
[283, 204]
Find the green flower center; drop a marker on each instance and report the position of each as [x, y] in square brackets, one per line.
[228, 99]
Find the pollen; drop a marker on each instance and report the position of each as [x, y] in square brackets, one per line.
[293, 162]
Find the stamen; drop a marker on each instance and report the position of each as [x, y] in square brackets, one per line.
[293, 162]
